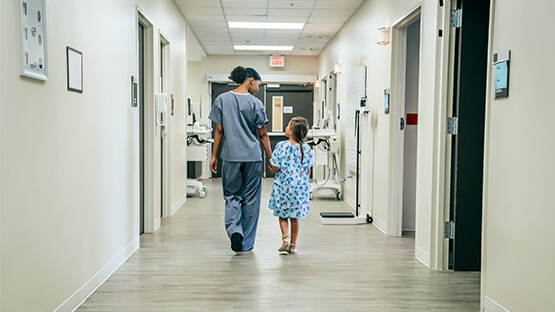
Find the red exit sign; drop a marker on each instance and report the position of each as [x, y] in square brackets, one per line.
[277, 61]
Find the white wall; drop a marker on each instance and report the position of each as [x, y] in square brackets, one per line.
[194, 83]
[518, 251]
[69, 161]
[356, 41]
[169, 22]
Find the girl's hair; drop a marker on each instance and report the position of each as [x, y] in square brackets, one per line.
[299, 127]
[239, 74]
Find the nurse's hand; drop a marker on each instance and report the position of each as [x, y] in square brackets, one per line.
[273, 169]
[214, 165]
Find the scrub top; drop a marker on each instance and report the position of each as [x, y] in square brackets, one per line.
[241, 115]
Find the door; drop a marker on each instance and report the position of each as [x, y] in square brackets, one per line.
[293, 101]
[467, 148]
[412, 68]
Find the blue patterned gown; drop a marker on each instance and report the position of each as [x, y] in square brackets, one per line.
[291, 189]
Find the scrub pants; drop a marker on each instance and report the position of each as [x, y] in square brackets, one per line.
[242, 185]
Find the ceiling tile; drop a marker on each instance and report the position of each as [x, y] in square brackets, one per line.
[287, 4]
[201, 11]
[208, 21]
[196, 17]
[329, 19]
[207, 30]
[287, 19]
[333, 12]
[243, 12]
[334, 4]
[289, 12]
[243, 18]
[247, 32]
[209, 24]
[244, 4]
[199, 3]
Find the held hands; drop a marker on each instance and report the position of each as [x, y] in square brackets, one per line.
[214, 166]
[273, 169]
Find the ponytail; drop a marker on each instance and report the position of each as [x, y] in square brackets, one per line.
[302, 151]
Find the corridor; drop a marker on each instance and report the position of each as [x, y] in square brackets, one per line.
[187, 265]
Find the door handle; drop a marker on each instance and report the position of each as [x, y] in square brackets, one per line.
[403, 123]
[159, 119]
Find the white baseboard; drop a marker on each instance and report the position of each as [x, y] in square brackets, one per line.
[350, 201]
[175, 207]
[157, 224]
[378, 223]
[81, 295]
[492, 306]
[422, 256]
[409, 226]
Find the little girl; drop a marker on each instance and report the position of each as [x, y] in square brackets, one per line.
[291, 190]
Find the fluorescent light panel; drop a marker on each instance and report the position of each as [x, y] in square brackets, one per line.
[260, 25]
[262, 48]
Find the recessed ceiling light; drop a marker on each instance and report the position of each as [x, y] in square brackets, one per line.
[258, 25]
[262, 48]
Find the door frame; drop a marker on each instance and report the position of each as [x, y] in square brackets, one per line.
[443, 256]
[397, 108]
[150, 224]
[165, 47]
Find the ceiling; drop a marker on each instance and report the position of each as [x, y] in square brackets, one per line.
[208, 20]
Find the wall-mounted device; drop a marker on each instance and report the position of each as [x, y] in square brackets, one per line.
[172, 107]
[501, 62]
[161, 106]
[387, 94]
[134, 92]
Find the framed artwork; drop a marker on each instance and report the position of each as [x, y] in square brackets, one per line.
[74, 70]
[33, 47]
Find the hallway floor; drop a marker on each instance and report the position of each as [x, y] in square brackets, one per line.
[187, 265]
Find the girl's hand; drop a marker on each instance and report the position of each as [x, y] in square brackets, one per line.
[273, 169]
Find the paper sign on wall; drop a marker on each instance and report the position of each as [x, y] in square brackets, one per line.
[288, 109]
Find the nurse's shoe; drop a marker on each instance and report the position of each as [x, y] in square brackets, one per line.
[292, 249]
[285, 245]
[236, 242]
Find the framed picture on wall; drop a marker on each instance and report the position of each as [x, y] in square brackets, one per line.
[33, 48]
[74, 70]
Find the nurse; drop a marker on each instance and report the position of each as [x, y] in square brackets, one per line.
[241, 127]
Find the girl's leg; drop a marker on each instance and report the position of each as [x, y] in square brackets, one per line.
[294, 230]
[284, 226]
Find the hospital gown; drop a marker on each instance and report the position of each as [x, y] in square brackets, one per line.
[291, 189]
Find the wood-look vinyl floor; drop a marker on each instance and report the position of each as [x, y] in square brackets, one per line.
[187, 265]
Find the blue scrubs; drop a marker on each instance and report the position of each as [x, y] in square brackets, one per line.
[241, 115]
[242, 184]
